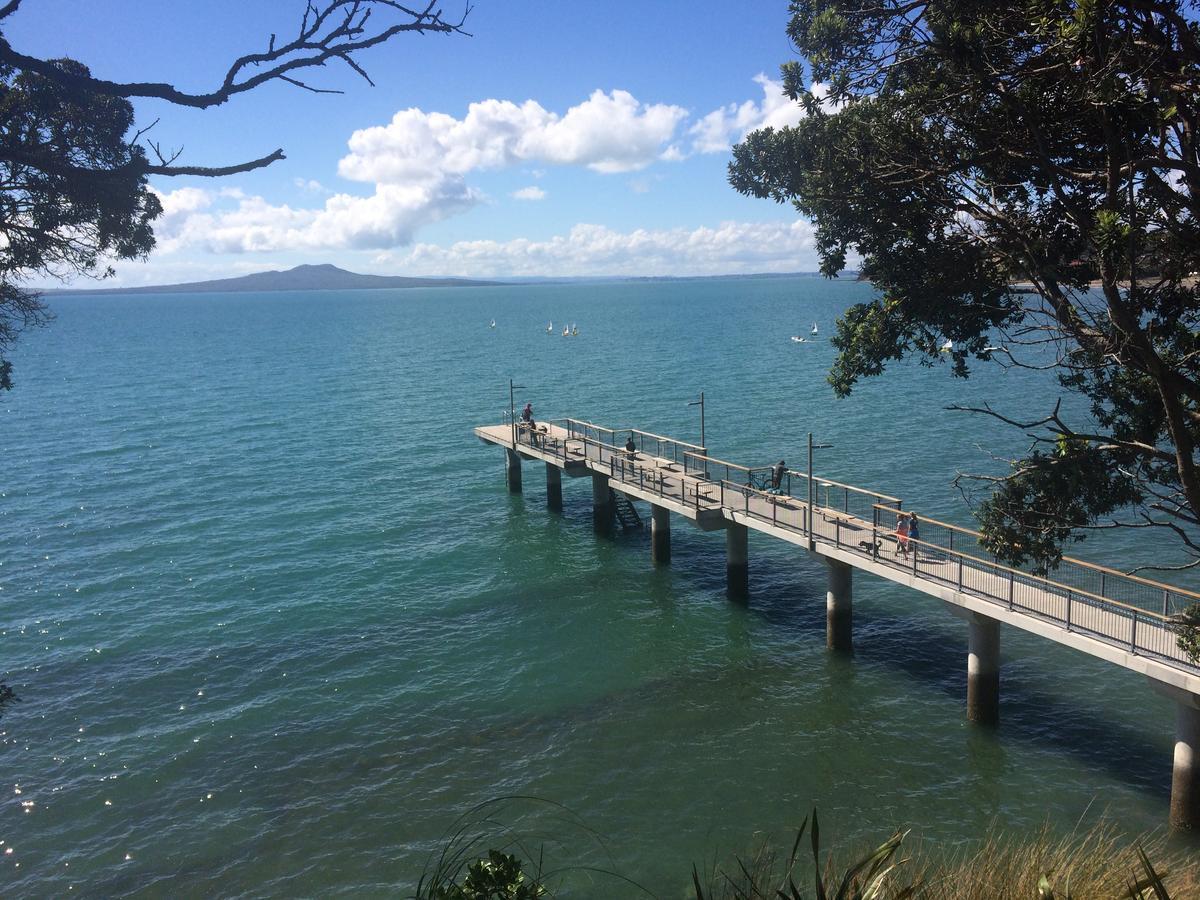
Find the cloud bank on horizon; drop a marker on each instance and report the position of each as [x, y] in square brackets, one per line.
[423, 168]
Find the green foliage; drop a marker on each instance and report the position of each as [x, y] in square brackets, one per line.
[1187, 631]
[865, 879]
[499, 877]
[75, 190]
[961, 147]
[1030, 516]
[1096, 862]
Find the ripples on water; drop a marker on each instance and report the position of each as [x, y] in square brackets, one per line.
[276, 622]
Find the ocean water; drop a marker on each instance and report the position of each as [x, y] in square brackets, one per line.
[277, 624]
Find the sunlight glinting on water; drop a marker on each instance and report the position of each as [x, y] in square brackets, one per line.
[276, 622]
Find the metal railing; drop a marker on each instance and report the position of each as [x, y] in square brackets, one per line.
[577, 428]
[1071, 574]
[1127, 611]
[844, 498]
[700, 465]
[1119, 624]
[662, 446]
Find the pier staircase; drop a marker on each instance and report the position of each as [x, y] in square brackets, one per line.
[624, 510]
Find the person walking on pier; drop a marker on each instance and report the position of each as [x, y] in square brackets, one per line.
[777, 472]
[631, 447]
[902, 537]
[914, 533]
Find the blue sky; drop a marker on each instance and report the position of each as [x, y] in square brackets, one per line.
[561, 139]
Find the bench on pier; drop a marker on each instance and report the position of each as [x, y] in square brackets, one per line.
[662, 462]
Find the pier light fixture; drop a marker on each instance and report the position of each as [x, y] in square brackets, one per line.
[512, 409]
[811, 447]
[700, 403]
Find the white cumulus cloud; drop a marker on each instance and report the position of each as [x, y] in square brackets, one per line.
[414, 171]
[607, 133]
[730, 248]
[722, 128]
[387, 218]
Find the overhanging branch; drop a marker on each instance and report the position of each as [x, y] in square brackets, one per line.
[216, 171]
[323, 36]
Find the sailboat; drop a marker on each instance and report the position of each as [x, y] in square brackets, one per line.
[947, 347]
[493, 325]
[574, 330]
[814, 329]
[550, 328]
[566, 331]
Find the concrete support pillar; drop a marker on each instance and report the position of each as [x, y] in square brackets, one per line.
[513, 472]
[554, 487]
[983, 670]
[839, 606]
[737, 561]
[660, 534]
[602, 507]
[1185, 779]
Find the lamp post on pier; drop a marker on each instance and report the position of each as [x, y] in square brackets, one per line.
[513, 469]
[512, 409]
[700, 403]
[812, 544]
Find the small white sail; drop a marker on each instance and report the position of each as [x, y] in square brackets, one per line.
[814, 328]
[947, 347]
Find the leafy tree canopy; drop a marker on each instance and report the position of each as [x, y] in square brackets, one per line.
[74, 191]
[964, 147]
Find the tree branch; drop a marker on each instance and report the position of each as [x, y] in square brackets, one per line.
[218, 171]
[309, 49]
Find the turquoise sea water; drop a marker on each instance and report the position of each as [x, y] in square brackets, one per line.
[276, 622]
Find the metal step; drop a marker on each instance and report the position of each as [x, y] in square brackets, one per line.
[625, 511]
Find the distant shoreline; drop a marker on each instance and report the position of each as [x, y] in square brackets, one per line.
[331, 278]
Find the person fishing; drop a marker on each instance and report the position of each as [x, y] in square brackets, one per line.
[777, 472]
[527, 422]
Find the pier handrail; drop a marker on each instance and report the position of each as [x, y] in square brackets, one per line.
[659, 445]
[934, 550]
[1135, 585]
[1047, 599]
[849, 487]
[663, 437]
[573, 424]
[690, 458]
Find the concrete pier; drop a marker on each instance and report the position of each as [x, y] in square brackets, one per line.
[1185, 779]
[839, 606]
[602, 506]
[737, 562]
[554, 487]
[983, 670]
[513, 471]
[660, 534]
[849, 527]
